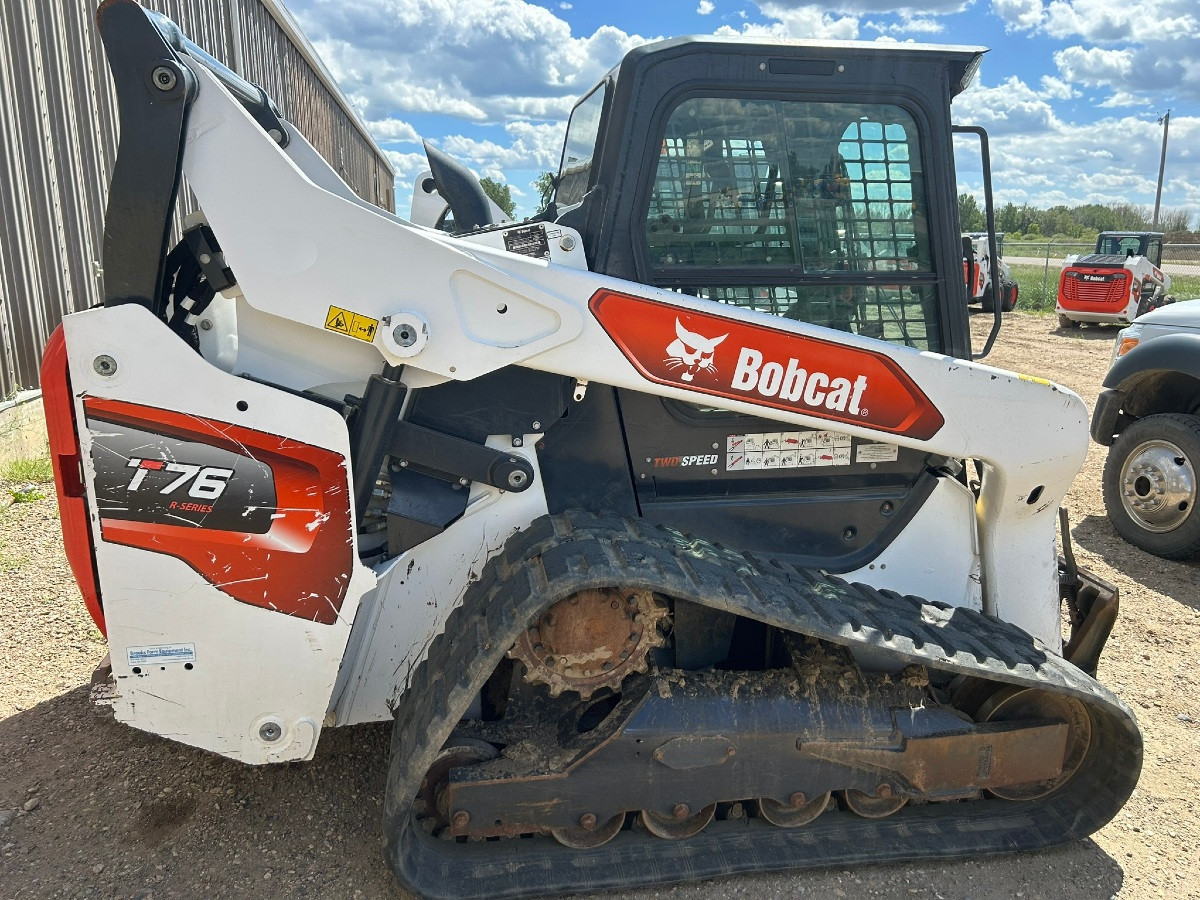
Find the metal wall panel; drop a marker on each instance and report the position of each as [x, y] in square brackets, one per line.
[58, 140]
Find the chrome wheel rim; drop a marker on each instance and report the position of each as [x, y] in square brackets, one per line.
[1158, 486]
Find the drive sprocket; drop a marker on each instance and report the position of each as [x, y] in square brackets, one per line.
[591, 640]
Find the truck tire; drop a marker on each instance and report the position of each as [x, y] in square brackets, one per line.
[1152, 485]
[1008, 296]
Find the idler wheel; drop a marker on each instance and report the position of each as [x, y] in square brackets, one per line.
[800, 811]
[680, 825]
[591, 640]
[463, 752]
[873, 807]
[582, 838]
[1015, 703]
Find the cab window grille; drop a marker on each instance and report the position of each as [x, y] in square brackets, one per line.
[798, 209]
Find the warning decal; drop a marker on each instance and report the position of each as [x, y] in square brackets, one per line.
[787, 450]
[351, 324]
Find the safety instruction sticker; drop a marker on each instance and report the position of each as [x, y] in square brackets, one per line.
[787, 450]
[157, 654]
[352, 324]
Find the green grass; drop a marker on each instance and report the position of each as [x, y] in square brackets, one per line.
[1039, 287]
[10, 562]
[36, 469]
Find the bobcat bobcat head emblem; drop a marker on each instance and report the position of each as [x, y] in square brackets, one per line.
[691, 352]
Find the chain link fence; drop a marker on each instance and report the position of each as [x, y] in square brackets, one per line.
[1178, 259]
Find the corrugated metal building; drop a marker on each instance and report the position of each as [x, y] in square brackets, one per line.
[58, 140]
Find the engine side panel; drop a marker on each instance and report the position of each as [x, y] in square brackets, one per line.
[220, 515]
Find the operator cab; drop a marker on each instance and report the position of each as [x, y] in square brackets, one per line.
[810, 181]
[1131, 243]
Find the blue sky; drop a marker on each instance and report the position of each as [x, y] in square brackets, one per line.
[1071, 91]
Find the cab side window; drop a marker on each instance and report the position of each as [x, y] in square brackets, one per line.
[796, 208]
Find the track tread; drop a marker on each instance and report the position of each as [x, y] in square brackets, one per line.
[559, 555]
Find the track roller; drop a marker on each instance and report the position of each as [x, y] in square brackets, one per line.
[877, 807]
[683, 824]
[588, 834]
[800, 811]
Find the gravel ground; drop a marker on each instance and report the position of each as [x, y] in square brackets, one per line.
[89, 808]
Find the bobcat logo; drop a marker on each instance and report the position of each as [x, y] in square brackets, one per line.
[692, 352]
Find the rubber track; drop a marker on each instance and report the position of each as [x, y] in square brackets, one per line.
[559, 555]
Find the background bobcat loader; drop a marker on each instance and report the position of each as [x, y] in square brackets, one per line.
[979, 271]
[1119, 282]
[675, 531]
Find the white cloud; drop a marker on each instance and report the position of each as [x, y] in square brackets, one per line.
[1040, 159]
[1094, 66]
[1019, 15]
[1009, 108]
[566, 6]
[907, 25]
[393, 131]
[809, 22]
[705, 7]
[533, 146]
[1135, 50]
[1058, 89]
[484, 60]
[778, 8]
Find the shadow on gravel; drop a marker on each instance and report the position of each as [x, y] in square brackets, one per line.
[1178, 580]
[1104, 333]
[121, 813]
[124, 814]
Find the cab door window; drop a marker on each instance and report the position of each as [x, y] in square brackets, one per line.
[797, 208]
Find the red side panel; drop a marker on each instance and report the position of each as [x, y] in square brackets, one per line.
[264, 518]
[68, 473]
[765, 366]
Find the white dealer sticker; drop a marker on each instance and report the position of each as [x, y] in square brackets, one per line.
[877, 453]
[157, 654]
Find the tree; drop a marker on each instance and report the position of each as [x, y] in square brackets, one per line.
[544, 185]
[1174, 220]
[970, 218]
[500, 194]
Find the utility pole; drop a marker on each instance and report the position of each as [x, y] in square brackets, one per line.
[1165, 122]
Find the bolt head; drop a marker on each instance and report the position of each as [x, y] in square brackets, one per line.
[798, 799]
[206, 325]
[681, 811]
[460, 818]
[587, 821]
[405, 335]
[884, 790]
[105, 365]
[164, 78]
[567, 242]
[270, 732]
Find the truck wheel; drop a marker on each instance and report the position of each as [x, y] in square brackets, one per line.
[1064, 322]
[1151, 481]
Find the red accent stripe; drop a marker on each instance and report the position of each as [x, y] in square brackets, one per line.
[68, 481]
[642, 329]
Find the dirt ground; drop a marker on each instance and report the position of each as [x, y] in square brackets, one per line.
[90, 808]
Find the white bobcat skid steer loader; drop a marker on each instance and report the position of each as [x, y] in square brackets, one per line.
[675, 530]
[1117, 283]
[979, 269]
